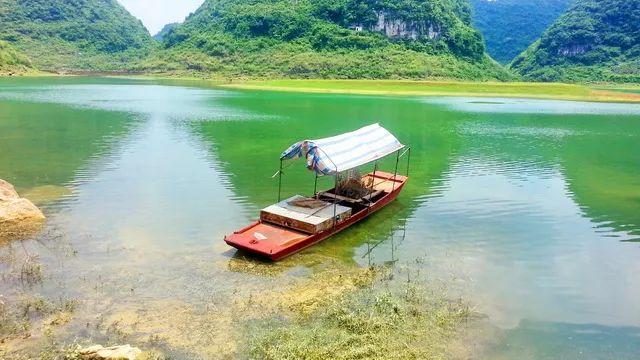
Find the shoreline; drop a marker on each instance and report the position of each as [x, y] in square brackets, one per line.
[603, 93]
[519, 90]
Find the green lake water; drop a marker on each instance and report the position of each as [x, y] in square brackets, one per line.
[530, 209]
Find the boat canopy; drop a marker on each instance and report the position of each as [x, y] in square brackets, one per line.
[332, 155]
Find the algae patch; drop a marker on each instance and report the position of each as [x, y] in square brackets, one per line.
[366, 314]
[306, 297]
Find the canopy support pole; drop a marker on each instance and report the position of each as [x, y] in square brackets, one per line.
[335, 190]
[373, 180]
[408, 159]
[335, 203]
[315, 186]
[395, 172]
[280, 181]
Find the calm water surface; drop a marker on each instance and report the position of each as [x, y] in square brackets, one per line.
[530, 209]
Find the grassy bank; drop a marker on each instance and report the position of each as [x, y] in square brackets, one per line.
[445, 88]
[623, 93]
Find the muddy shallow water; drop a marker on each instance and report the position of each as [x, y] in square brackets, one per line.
[529, 210]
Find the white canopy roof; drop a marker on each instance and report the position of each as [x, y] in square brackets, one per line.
[339, 153]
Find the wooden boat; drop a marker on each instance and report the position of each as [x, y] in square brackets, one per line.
[296, 223]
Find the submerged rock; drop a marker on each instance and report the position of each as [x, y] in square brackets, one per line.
[45, 194]
[17, 215]
[121, 352]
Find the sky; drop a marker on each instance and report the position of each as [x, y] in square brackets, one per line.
[157, 13]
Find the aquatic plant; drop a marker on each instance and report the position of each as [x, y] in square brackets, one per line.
[31, 270]
[392, 318]
[19, 317]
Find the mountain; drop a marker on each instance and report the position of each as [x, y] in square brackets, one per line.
[510, 26]
[12, 61]
[74, 34]
[165, 30]
[595, 40]
[329, 39]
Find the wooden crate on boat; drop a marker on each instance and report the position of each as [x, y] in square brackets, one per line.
[306, 219]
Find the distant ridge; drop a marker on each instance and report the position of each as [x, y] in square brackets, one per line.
[595, 40]
[74, 35]
[164, 31]
[510, 26]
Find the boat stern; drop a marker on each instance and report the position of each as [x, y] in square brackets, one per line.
[265, 240]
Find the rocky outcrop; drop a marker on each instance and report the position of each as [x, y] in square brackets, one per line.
[98, 352]
[394, 27]
[16, 214]
[573, 50]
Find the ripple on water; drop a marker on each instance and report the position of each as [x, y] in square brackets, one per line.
[533, 106]
[195, 103]
[488, 129]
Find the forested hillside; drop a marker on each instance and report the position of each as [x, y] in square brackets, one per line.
[511, 26]
[74, 34]
[11, 61]
[329, 38]
[164, 31]
[595, 40]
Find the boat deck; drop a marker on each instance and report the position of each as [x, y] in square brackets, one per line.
[276, 235]
[305, 214]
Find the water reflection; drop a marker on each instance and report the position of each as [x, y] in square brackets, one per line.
[524, 249]
[50, 145]
[133, 97]
[168, 204]
[522, 203]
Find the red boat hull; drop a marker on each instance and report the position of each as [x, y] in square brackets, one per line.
[281, 242]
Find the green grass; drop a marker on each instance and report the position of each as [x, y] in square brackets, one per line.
[631, 88]
[443, 88]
